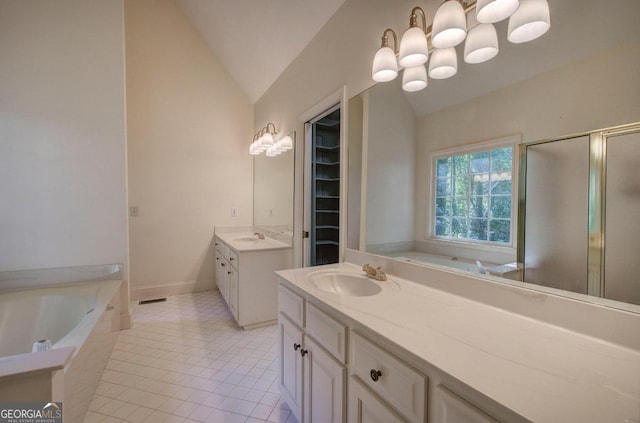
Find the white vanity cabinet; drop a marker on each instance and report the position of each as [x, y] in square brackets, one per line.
[247, 282]
[450, 408]
[401, 386]
[332, 370]
[311, 360]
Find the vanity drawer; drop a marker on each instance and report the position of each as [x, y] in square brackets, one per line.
[291, 305]
[400, 385]
[233, 258]
[329, 333]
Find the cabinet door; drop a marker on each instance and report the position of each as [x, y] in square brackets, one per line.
[366, 407]
[219, 271]
[233, 291]
[450, 408]
[324, 386]
[290, 364]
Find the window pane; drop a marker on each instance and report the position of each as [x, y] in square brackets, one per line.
[460, 206]
[461, 185]
[473, 196]
[443, 206]
[444, 167]
[480, 162]
[459, 228]
[500, 187]
[480, 184]
[442, 226]
[501, 207]
[478, 206]
[500, 230]
[443, 187]
[501, 159]
[478, 229]
[461, 164]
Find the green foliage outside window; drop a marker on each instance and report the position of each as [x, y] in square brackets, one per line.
[473, 196]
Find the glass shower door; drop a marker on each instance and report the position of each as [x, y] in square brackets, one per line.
[556, 225]
[622, 227]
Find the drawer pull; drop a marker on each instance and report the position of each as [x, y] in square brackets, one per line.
[231, 259]
[223, 264]
[217, 258]
[296, 347]
[303, 352]
[228, 273]
[375, 374]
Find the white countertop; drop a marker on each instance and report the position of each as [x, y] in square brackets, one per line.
[542, 372]
[239, 241]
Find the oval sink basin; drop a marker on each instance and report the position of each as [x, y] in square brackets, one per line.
[344, 283]
[247, 239]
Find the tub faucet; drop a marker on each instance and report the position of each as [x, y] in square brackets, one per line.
[374, 273]
[259, 234]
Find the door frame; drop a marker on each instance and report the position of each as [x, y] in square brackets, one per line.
[336, 99]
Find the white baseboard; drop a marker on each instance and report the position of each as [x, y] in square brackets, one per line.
[175, 288]
[125, 321]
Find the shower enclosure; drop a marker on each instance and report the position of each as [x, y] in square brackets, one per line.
[579, 213]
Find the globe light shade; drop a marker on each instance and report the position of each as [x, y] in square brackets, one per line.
[529, 22]
[266, 140]
[272, 151]
[253, 149]
[287, 143]
[443, 64]
[279, 147]
[385, 65]
[492, 11]
[449, 25]
[414, 79]
[414, 50]
[481, 44]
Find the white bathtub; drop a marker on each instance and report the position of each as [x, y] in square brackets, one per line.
[455, 262]
[81, 320]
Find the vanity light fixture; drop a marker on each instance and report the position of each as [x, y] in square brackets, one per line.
[414, 50]
[264, 142]
[414, 79]
[528, 20]
[444, 63]
[385, 65]
[449, 25]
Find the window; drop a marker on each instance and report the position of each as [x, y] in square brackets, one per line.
[473, 196]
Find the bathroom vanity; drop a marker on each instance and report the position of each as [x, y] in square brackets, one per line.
[244, 275]
[355, 349]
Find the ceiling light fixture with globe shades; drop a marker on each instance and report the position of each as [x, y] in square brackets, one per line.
[264, 141]
[528, 20]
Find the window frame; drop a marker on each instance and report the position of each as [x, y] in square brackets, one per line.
[512, 141]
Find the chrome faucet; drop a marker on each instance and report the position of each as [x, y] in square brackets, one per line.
[259, 234]
[374, 273]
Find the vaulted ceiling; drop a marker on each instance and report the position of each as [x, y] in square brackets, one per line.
[257, 39]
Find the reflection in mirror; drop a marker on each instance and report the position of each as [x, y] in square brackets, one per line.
[273, 191]
[580, 77]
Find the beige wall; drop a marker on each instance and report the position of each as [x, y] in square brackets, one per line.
[62, 134]
[189, 128]
[598, 92]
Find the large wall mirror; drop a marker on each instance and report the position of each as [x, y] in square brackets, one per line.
[273, 182]
[433, 175]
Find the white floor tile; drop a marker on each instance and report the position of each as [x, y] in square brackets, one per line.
[186, 361]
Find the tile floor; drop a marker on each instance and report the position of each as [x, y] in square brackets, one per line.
[186, 360]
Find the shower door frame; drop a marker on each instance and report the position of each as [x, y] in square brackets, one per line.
[596, 204]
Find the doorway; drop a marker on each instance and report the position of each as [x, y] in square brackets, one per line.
[322, 198]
